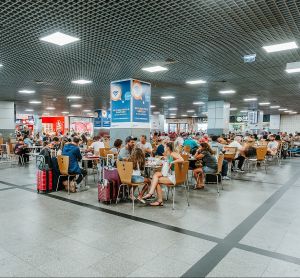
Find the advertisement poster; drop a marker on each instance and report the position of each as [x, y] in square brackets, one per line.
[81, 125]
[106, 118]
[54, 124]
[120, 96]
[141, 100]
[98, 118]
[102, 118]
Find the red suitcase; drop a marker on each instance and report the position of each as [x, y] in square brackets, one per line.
[44, 180]
[107, 191]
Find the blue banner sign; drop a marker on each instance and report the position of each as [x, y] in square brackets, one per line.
[141, 99]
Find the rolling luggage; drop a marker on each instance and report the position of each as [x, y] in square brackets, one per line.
[44, 181]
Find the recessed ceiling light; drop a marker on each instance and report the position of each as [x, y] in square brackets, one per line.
[76, 105]
[87, 110]
[26, 91]
[65, 112]
[264, 103]
[233, 109]
[293, 67]
[82, 81]
[275, 106]
[282, 109]
[74, 97]
[173, 109]
[1, 65]
[29, 110]
[280, 47]
[250, 99]
[244, 111]
[155, 69]
[59, 38]
[152, 106]
[35, 102]
[190, 111]
[193, 82]
[184, 115]
[198, 102]
[167, 97]
[50, 108]
[227, 92]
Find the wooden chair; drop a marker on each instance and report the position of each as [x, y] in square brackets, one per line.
[63, 165]
[125, 169]
[218, 173]
[181, 171]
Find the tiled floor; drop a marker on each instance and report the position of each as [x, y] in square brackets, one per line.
[59, 235]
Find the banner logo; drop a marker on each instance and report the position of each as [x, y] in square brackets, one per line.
[116, 93]
[137, 90]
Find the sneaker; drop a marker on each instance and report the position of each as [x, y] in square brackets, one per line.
[225, 178]
[240, 171]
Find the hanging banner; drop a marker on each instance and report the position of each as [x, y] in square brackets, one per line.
[120, 96]
[98, 118]
[102, 118]
[106, 118]
[141, 99]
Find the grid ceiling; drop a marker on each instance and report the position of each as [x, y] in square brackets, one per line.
[202, 38]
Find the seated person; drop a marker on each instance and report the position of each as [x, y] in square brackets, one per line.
[145, 146]
[125, 152]
[209, 164]
[72, 150]
[20, 150]
[191, 143]
[96, 145]
[160, 148]
[28, 141]
[117, 146]
[272, 145]
[240, 156]
[172, 157]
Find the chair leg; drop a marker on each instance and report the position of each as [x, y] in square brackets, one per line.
[218, 190]
[187, 191]
[220, 180]
[68, 185]
[132, 199]
[118, 193]
[167, 198]
[173, 207]
[57, 183]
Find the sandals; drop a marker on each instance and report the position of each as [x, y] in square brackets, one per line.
[140, 198]
[147, 196]
[198, 187]
[157, 204]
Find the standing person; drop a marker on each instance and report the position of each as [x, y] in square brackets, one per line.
[125, 152]
[145, 146]
[209, 164]
[171, 157]
[72, 150]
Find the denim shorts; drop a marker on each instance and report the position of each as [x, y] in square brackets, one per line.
[208, 170]
[137, 179]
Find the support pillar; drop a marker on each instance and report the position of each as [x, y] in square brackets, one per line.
[7, 120]
[130, 109]
[274, 123]
[218, 117]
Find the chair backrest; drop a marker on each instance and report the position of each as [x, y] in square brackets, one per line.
[125, 169]
[63, 164]
[220, 162]
[1, 140]
[181, 170]
[89, 142]
[187, 149]
[230, 152]
[261, 153]
[102, 152]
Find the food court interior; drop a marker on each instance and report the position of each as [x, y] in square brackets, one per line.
[149, 138]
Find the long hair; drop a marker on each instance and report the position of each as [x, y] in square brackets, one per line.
[206, 147]
[137, 157]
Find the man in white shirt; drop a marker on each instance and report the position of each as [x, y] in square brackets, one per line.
[97, 144]
[272, 145]
[144, 145]
[240, 158]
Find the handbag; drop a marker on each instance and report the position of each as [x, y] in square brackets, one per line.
[165, 169]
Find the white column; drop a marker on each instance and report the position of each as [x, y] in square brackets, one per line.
[218, 117]
[274, 123]
[7, 119]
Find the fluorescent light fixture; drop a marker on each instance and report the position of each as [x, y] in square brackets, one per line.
[250, 99]
[173, 114]
[59, 38]
[29, 110]
[198, 102]
[227, 92]
[280, 47]
[275, 106]
[74, 97]
[155, 69]
[50, 108]
[35, 102]
[1, 65]
[294, 112]
[87, 110]
[184, 115]
[152, 106]
[190, 111]
[65, 112]
[244, 111]
[264, 103]
[288, 111]
[26, 91]
[282, 109]
[194, 116]
[193, 82]
[233, 109]
[76, 105]
[172, 109]
[82, 81]
[167, 97]
[293, 67]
